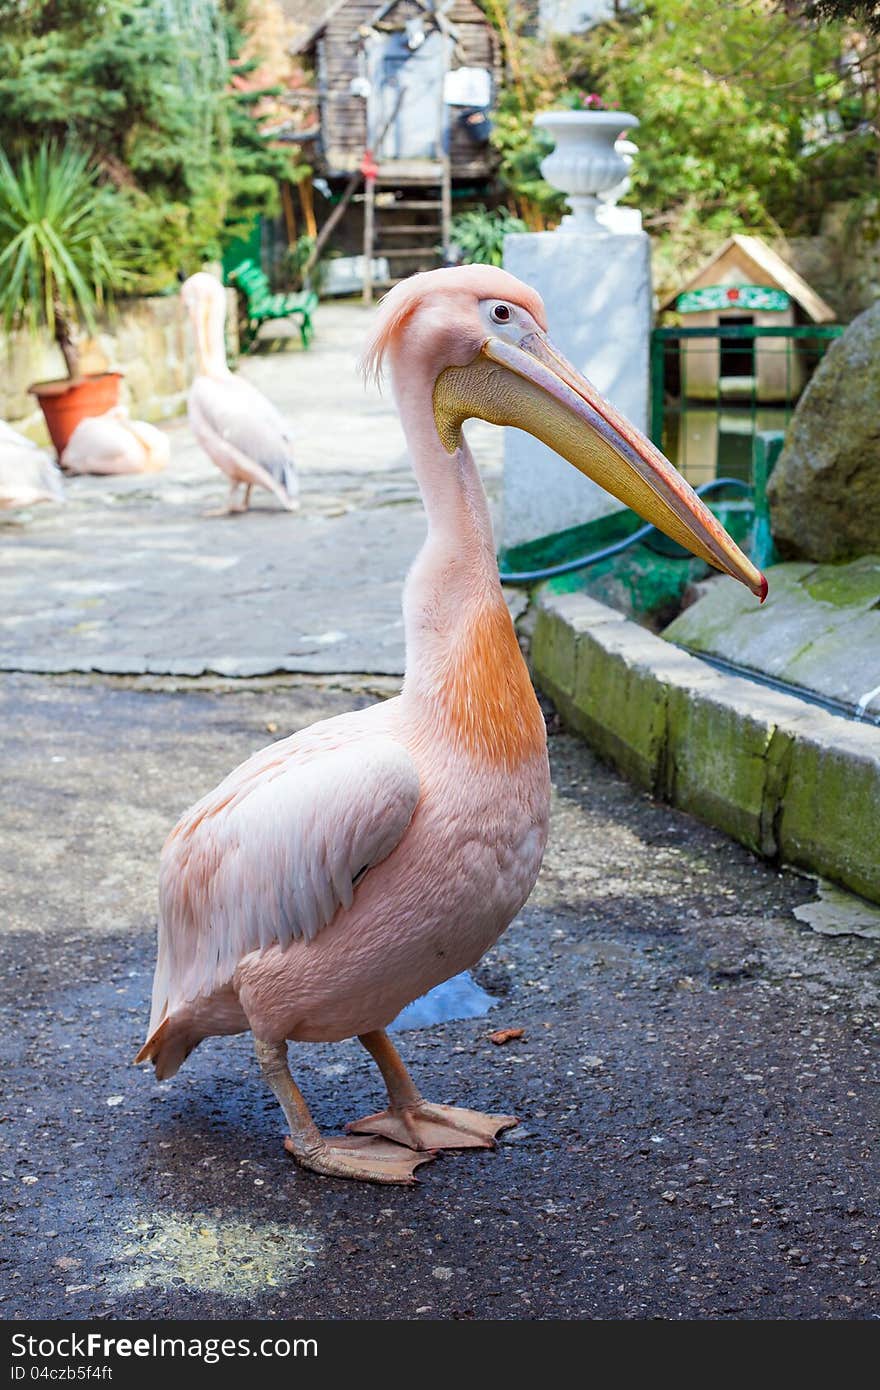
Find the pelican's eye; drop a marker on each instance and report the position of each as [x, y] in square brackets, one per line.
[500, 313]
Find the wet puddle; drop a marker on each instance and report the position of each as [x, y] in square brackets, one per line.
[460, 997]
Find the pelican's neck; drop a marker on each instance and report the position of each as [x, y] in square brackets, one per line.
[217, 371]
[211, 361]
[466, 681]
[209, 334]
[459, 548]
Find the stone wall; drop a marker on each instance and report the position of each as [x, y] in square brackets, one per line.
[781, 776]
[149, 340]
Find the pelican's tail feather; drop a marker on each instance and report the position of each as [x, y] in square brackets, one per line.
[290, 482]
[168, 1047]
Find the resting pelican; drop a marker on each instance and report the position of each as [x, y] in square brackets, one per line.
[114, 443]
[27, 473]
[238, 428]
[340, 873]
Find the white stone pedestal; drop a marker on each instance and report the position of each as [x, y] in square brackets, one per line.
[597, 290]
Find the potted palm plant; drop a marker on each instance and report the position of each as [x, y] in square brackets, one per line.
[63, 253]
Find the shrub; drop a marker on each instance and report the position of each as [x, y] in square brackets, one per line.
[479, 234]
[65, 248]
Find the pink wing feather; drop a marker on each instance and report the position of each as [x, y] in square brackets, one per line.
[271, 854]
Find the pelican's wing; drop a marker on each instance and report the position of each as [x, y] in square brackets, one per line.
[240, 415]
[274, 852]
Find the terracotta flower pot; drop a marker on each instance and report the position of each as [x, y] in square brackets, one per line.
[65, 403]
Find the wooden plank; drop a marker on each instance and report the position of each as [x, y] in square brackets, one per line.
[399, 171]
[446, 211]
[409, 229]
[343, 117]
[307, 203]
[400, 253]
[369, 227]
[289, 214]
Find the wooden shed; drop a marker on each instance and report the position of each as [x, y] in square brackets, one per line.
[413, 83]
[745, 284]
[371, 59]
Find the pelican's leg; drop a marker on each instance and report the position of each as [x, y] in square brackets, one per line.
[372, 1160]
[415, 1122]
[248, 489]
[232, 506]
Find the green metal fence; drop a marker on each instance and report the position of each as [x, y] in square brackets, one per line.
[713, 390]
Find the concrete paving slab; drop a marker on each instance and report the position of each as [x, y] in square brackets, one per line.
[835, 913]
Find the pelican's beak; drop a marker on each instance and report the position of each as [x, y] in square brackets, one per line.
[531, 386]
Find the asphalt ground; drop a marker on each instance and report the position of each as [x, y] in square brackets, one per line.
[696, 1082]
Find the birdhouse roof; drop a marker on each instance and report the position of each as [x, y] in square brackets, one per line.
[765, 263]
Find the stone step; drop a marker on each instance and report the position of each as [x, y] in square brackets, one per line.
[786, 779]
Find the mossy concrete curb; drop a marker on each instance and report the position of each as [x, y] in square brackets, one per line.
[779, 775]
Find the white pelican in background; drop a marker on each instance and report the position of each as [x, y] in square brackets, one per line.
[238, 428]
[341, 873]
[27, 473]
[113, 443]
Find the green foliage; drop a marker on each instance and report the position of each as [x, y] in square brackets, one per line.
[64, 242]
[147, 87]
[299, 255]
[123, 82]
[753, 118]
[863, 12]
[258, 167]
[479, 234]
[576, 99]
[521, 148]
[721, 134]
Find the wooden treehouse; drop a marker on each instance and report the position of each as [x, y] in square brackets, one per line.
[404, 92]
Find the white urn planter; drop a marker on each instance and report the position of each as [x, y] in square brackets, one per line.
[585, 163]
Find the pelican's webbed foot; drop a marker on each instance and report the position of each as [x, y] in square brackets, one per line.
[234, 504]
[369, 1159]
[424, 1126]
[417, 1123]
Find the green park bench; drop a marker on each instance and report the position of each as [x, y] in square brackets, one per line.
[263, 305]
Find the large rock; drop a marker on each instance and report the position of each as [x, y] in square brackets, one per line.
[825, 489]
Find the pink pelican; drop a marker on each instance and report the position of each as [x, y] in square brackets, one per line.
[344, 871]
[238, 428]
[114, 443]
